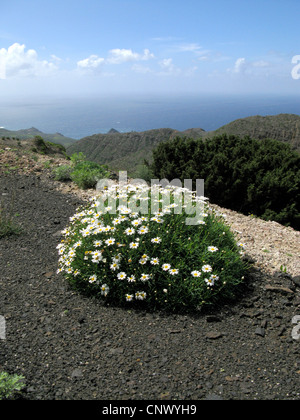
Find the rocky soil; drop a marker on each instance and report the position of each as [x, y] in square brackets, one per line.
[71, 347]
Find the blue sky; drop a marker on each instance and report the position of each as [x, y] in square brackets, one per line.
[88, 47]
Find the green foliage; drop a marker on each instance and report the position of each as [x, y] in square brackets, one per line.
[40, 145]
[8, 225]
[78, 158]
[138, 257]
[9, 384]
[246, 175]
[87, 174]
[56, 146]
[143, 172]
[63, 173]
[47, 147]
[84, 173]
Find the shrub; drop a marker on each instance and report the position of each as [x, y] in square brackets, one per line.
[150, 258]
[78, 158]
[40, 145]
[9, 384]
[144, 172]
[8, 226]
[63, 173]
[261, 177]
[86, 174]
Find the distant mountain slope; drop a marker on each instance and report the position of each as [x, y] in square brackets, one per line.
[125, 151]
[282, 127]
[32, 132]
[122, 151]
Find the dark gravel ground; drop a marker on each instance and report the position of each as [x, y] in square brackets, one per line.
[71, 347]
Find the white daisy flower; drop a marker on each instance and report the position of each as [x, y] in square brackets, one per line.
[97, 243]
[143, 230]
[124, 210]
[133, 245]
[206, 268]
[114, 266]
[196, 273]
[116, 221]
[173, 271]
[122, 276]
[129, 231]
[110, 241]
[136, 222]
[213, 249]
[156, 240]
[154, 261]
[131, 279]
[96, 259]
[140, 295]
[166, 267]
[96, 254]
[85, 232]
[209, 282]
[129, 297]
[93, 279]
[145, 277]
[117, 258]
[104, 290]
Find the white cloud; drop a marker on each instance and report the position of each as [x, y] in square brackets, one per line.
[240, 65]
[243, 66]
[192, 47]
[115, 56]
[16, 61]
[92, 62]
[55, 58]
[167, 64]
[118, 56]
[168, 67]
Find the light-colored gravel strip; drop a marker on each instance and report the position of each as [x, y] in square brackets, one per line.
[274, 247]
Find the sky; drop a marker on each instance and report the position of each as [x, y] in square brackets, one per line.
[92, 47]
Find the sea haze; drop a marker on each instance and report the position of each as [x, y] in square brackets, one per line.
[80, 117]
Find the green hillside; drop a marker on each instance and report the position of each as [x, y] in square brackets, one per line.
[29, 133]
[122, 151]
[125, 151]
[282, 127]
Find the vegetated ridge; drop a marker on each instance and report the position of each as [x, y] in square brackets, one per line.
[125, 151]
[29, 133]
[282, 127]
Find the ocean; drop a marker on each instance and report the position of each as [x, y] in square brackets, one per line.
[79, 117]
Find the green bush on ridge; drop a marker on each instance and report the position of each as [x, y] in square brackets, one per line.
[249, 176]
[84, 173]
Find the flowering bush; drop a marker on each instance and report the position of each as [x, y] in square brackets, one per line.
[132, 245]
